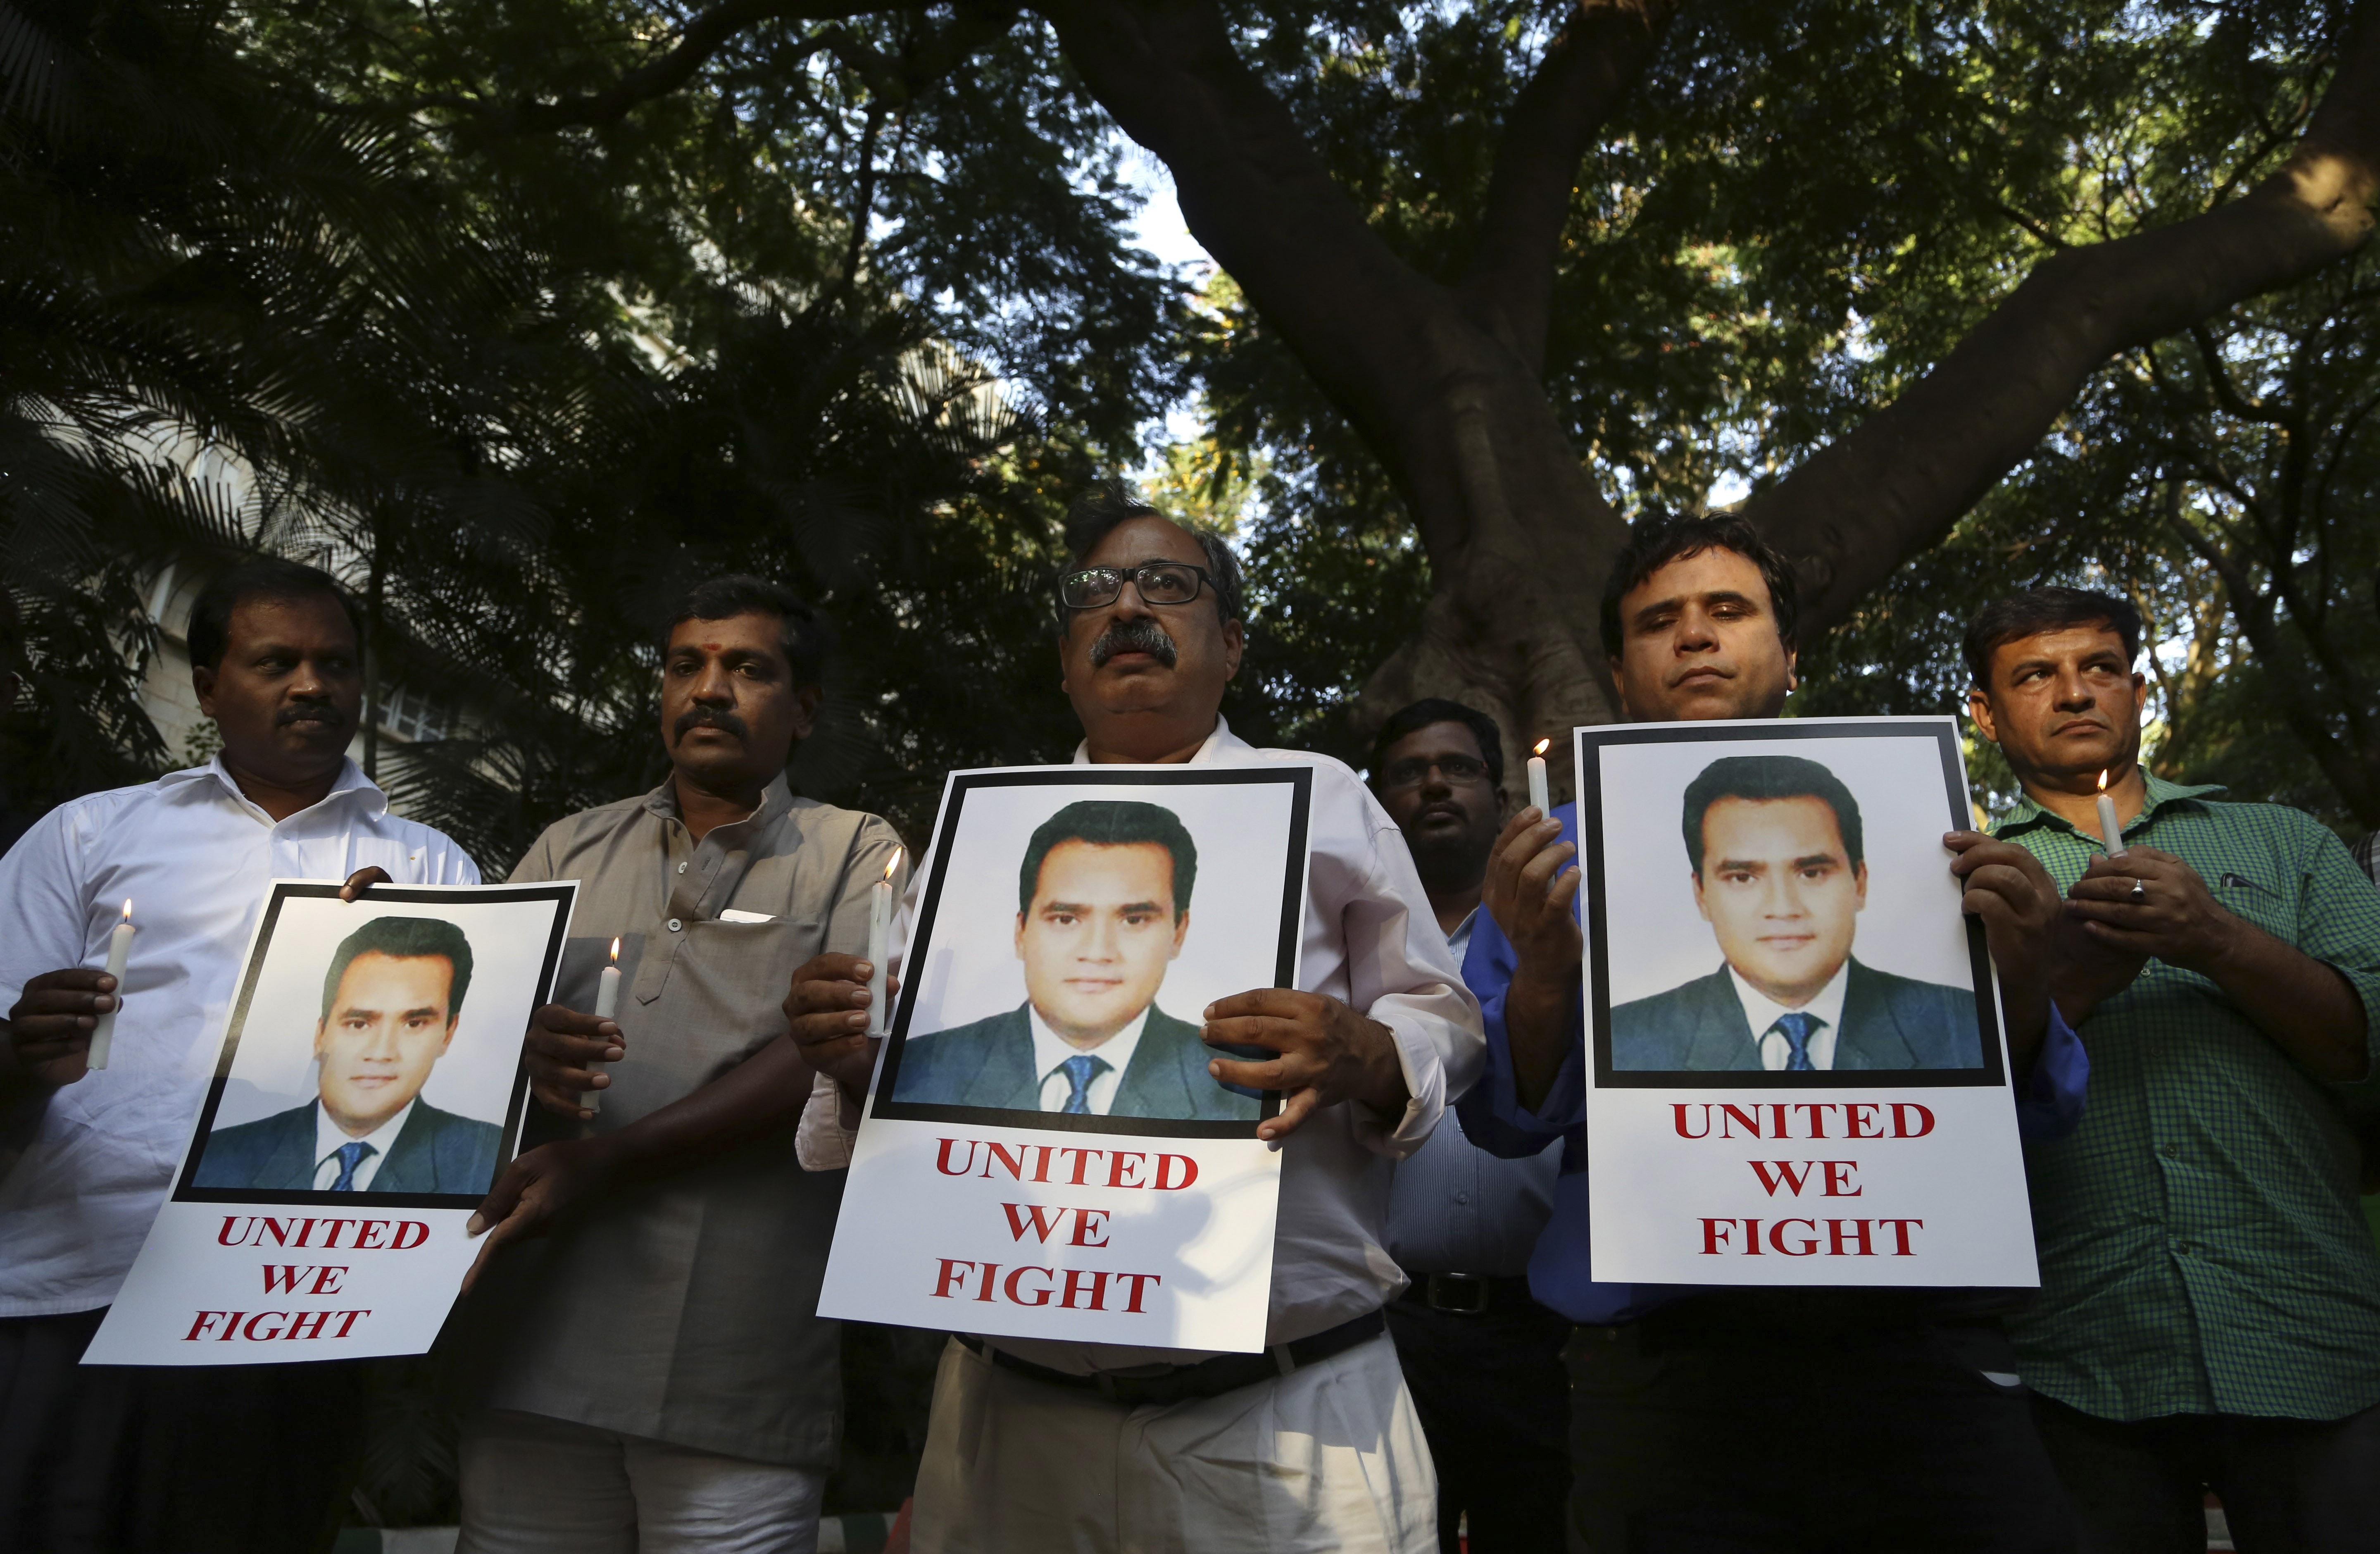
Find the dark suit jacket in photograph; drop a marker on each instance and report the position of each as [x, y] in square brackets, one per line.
[435, 1152]
[990, 1062]
[1888, 1022]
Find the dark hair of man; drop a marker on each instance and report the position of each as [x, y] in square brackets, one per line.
[1112, 822]
[1760, 778]
[1657, 541]
[1096, 513]
[405, 938]
[208, 634]
[1432, 710]
[2050, 609]
[808, 639]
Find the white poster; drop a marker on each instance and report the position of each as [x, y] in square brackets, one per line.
[368, 1090]
[1044, 1153]
[1796, 1068]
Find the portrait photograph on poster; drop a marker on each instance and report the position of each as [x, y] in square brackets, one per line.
[1778, 911]
[1069, 938]
[373, 1053]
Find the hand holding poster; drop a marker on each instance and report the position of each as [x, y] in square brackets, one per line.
[367, 1092]
[1796, 1068]
[1044, 1152]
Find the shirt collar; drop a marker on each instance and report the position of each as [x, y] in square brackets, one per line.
[1760, 1011]
[329, 1135]
[351, 787]
[1220, 747]
[1459, 940]
[2026, 814]
[775, 800]
[1049, 1048]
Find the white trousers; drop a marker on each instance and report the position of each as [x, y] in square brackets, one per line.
[1329, 1458]
[538, 1485]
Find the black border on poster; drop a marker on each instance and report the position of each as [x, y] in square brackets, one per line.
[1300, 778]
[1587, 742]
[564, 894]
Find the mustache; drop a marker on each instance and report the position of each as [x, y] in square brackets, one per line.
[307, 711]
[709, 717]
[1132, 637]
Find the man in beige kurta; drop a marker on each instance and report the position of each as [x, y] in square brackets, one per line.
[650, 1374]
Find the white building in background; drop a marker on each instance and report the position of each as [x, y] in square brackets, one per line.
[189, 735]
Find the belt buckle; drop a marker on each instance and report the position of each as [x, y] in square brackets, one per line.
[1458, 1293]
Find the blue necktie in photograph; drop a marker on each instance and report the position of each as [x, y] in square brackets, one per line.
[1797, 1028]
[1080, 1070]
[351, 1156]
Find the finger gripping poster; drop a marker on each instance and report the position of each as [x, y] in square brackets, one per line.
[369, 1089]
[1796, 1068]
[1044, 1153]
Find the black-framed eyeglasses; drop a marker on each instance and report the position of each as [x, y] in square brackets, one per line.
[1458, 770]
[1159, 582]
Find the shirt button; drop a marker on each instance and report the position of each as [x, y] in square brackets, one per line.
[675, 925]
[681, 869]
[1462, 1197]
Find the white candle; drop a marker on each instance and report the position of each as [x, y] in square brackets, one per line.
[2110, 832]
[1538, 795]
[607, 1004]
[880, 945]
[103, 1030]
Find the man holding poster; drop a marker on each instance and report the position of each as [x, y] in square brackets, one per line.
[141, 1459]
[1312, 1445]
[1754, 1417]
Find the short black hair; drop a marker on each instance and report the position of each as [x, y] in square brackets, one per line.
[1768, 777]
[1097, 512]
[1112, 822]
[1656, 541]
[405, 939]
[1419, 715]
[808, 639]
[208, 634]
[2047, 608]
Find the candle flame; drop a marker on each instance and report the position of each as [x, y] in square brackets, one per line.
[2103, 782]
[1542, 743]
[128, 909]
[891, 864]
[616, 951]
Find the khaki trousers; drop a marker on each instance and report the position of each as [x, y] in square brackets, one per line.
[1329, 1458]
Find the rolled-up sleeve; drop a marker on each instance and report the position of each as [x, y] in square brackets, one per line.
[41, 879]
[1401, 973]
[2049, 1107]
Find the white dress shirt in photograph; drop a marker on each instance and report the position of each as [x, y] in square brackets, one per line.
[1050, 1053]
[1372, 941]
[329, 1138]
[195, 858]
[1761, 1013]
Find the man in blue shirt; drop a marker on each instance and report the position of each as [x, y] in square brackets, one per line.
[1482, 1358]
[1746, 1419]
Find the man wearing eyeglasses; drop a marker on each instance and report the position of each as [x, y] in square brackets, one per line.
[1482, 1356]
[1313, 1444]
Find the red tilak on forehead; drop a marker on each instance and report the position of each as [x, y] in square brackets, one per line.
[711, 647]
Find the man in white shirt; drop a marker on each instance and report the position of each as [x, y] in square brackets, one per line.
[245, 1459]
[1313, 1445]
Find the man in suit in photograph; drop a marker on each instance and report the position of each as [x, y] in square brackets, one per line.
[1780, 874]
[390, 1001]
[1103, 905]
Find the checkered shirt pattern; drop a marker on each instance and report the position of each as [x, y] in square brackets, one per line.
[2203, 1247]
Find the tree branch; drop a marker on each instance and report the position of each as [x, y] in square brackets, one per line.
[696, 42]
[1854, 511]
[1588, 69]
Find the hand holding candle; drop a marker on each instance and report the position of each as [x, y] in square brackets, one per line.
[103, 1030]
[2110, 831]
[1538, 795]
[880, 944]
[607, 1006]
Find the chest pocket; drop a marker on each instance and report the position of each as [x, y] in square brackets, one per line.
[2258, 901]
[741, 972]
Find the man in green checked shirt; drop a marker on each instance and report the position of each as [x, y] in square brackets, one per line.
[2210, 1306]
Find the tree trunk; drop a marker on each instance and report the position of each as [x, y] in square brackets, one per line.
[1443, 382]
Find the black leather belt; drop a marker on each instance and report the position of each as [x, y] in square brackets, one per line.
[1208, 1378]
[1465, 1294]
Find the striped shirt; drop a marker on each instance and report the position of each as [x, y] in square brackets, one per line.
[2201, 1246]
